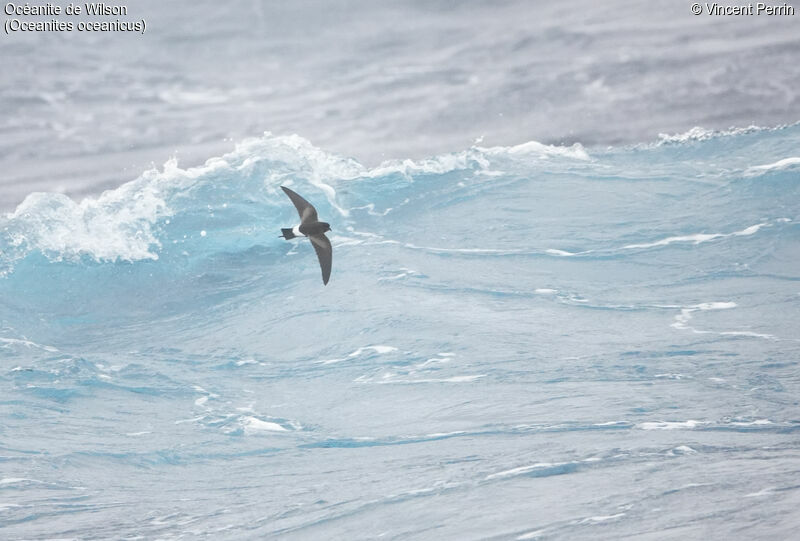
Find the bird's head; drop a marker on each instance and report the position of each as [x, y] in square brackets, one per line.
[325, 226]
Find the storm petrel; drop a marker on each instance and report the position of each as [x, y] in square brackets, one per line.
[312, 228]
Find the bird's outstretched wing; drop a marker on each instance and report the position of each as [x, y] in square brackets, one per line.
[324, 253]
[305, 209]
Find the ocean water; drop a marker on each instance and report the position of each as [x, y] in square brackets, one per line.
[377, 80]
[517, 342]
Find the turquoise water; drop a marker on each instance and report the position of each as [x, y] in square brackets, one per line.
[524, 342]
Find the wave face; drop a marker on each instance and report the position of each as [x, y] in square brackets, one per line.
[551, 341]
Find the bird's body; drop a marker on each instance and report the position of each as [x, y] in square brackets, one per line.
[311, 227]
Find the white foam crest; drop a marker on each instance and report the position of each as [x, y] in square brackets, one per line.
[458, 379]
[785, 163]
[681, 321]
[525, 469]
[254, 425]
[434, 249]
[437, 250]
[117, 225]
[246, 362]
[562, 253]
[16, 481]
[441, 359]
[540, 150]
[757, 422]
[671, 376]
[769, 491]
[301, 156]
[298, 158]
[670, 425]
[601, 518]
[379, 349]
[370, 208]
[437, 165]
[27, 343]
[404, 272]
[441, 434]
[701, 134]
[323, 169]
[749, 334]
[715, 305]
[473, 158]
[338, 240]
[10, 481]
[521, 470]
[698, 238]
[388, 379]
[319, 167]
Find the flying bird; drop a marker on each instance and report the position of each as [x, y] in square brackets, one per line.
[311, 227]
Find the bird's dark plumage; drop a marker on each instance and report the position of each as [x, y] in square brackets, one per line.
[307, 212]
[324, 253]
[311, 227]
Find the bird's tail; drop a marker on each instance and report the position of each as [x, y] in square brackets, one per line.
[287, 233]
